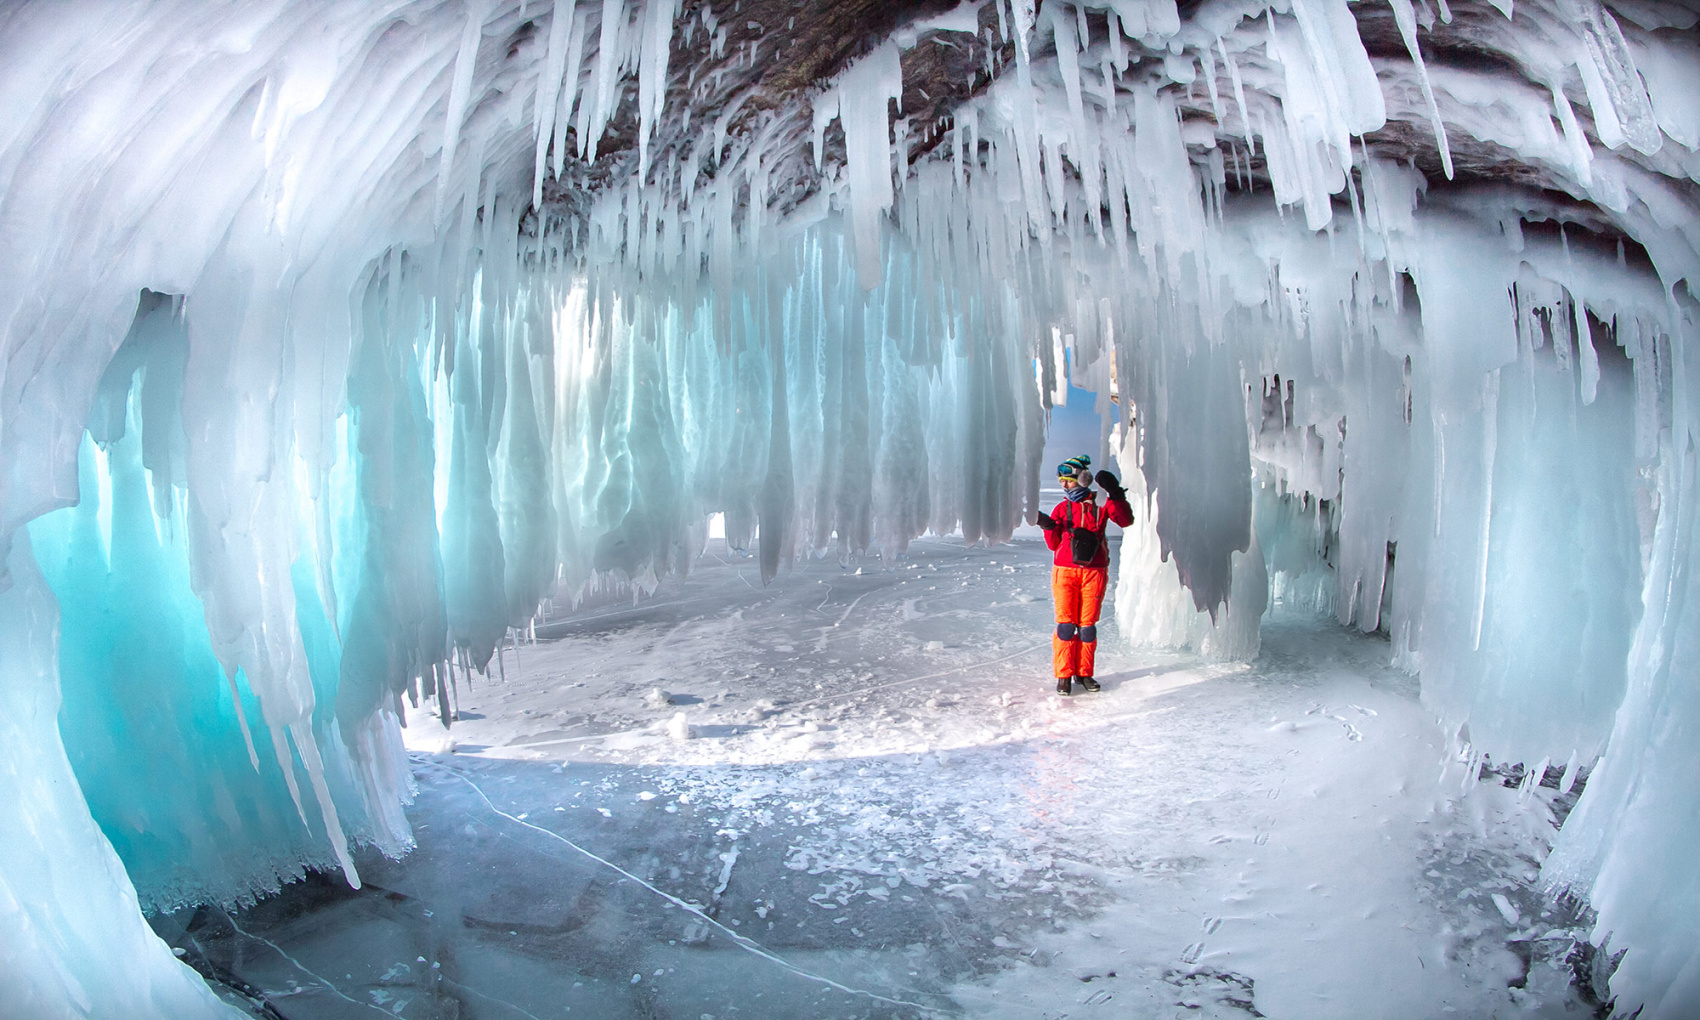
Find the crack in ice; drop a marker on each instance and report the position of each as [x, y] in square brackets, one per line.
[458, 987]
[298, 965]
[743, 942]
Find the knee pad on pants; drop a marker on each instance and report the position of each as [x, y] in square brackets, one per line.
[1067, 631]
[1089, 633]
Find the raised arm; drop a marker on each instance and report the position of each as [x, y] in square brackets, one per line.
[1116, 505]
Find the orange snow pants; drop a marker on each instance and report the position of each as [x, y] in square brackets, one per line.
[1079, 594]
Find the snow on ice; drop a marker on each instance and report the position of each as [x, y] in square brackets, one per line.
[345, 345]
[863, 823]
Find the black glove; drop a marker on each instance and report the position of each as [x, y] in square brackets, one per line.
[1044, 521]
[1111, 487]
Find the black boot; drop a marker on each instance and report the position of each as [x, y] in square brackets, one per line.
[1065, 685]
[1090, 684]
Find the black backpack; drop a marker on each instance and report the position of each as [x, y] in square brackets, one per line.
[1084, 543]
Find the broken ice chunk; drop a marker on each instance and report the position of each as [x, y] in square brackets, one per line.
[1506, 910]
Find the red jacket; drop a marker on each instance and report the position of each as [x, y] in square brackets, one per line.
[1085, 514]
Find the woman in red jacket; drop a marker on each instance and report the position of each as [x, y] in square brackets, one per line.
[1075, 531]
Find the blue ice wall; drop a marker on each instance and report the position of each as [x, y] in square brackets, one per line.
[156, 733]
[177, 763]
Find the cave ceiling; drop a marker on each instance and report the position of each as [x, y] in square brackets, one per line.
[754, 66]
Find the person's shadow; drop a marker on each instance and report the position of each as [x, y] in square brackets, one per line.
[1113, 680]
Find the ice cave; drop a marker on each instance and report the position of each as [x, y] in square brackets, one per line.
[526, 508]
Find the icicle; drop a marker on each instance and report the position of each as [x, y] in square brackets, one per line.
[1490, 443]
[1056, 183]
[1343, 70]
[569, 92]
[460, 93]
[652, 73]
[1581, 153]
[608, 59]
[1026, 130]
[549, 88]
[1117, 45]
[1532, 780]
[958, 141]
[1357, 216]
[865, 92]
[1568, 780]
[280, 750]
[1021, 25]
[1207, 59]
[1082, 143]
[900, 150]
[1407, 20]
[242, 723]
[825, 112]
[1590, 358]
[1239, 95]
[308, 749]
[1623, 113]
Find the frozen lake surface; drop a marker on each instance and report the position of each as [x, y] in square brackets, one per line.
[874, 805]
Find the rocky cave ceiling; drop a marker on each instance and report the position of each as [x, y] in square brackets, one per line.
[755, 66]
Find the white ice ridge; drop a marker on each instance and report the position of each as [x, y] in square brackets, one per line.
[337, 339]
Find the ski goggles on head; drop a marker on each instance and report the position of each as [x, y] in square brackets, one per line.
[1077, 468]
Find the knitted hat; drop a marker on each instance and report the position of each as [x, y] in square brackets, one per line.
[1074, 467]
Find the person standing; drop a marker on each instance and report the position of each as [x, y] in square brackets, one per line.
[1081, 567]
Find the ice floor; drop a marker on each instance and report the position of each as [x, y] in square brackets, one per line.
[875, 806]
